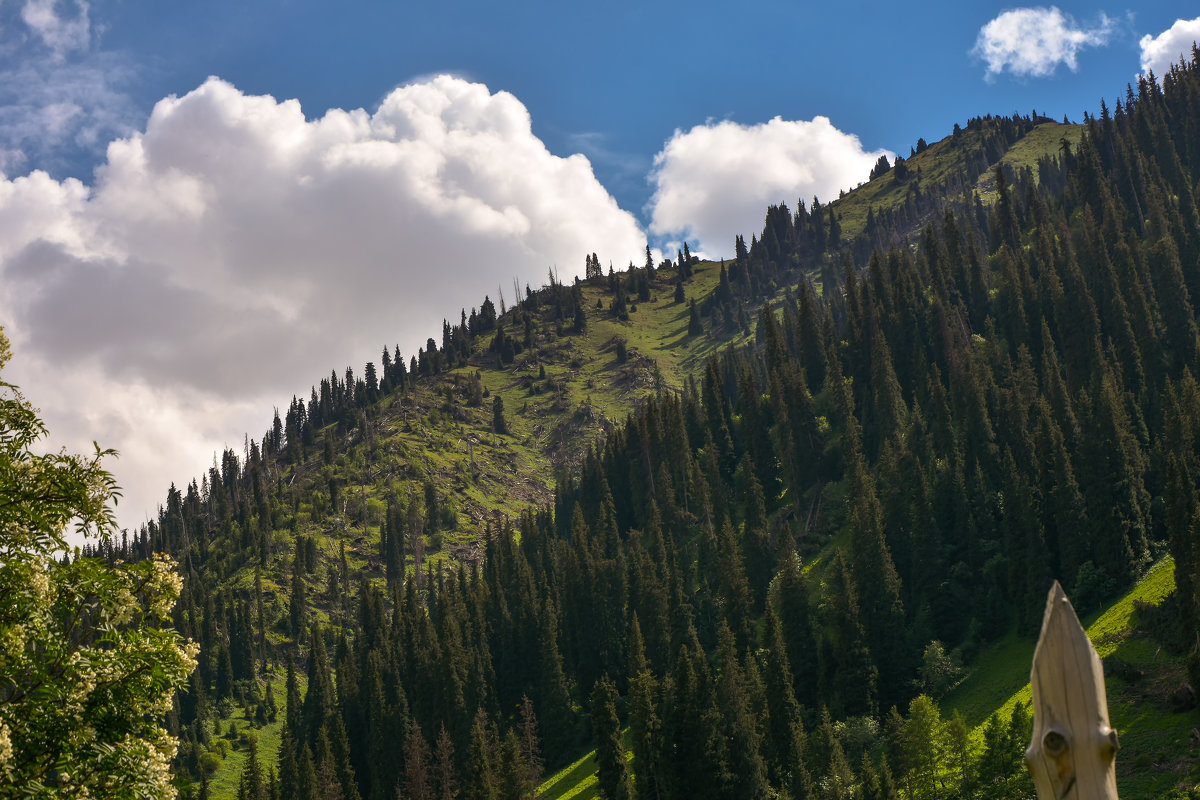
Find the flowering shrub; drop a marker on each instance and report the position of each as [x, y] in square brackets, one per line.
[89, 663]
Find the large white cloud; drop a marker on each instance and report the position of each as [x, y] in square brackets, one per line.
[716, 180]
[1032, 42]
[1160, 53]
[234, 251]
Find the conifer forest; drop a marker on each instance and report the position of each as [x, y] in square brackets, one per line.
[769, 570]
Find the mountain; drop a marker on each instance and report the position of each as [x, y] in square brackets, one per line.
[754, 511]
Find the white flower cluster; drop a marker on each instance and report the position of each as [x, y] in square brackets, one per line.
[149, 762]
[6, 750]
[39, 583]
[81, 686]
[165, 586]
[186, 654]
[123, 605]
[12, 638]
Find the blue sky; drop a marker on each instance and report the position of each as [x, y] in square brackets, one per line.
[206, 206]
[610, 80]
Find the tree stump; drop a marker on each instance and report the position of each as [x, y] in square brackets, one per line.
[1071, 754]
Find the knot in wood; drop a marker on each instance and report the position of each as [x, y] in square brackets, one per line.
[1054, 743]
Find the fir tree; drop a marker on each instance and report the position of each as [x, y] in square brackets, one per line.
[499, 423]
[611, 770]
[417, 777]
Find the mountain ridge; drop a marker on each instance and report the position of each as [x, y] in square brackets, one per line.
[941, 408]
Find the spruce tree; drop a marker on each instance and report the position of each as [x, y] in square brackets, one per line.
[644, 723]
[695, 326]
[446, 781]
[251, 786]
[499, 423]
[483, 773]
[747, 772]
[418, 784]
[882, 609]
[611, 770]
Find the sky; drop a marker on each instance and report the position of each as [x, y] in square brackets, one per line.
[206, 207]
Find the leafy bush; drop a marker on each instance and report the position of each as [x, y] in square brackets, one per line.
[89, 664]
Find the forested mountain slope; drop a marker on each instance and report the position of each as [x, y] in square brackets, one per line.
[740, 508]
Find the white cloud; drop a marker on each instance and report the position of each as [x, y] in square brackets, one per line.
[233, 252]
[1032, 42]
[1160, 53]
[716, 180]
[62, 34]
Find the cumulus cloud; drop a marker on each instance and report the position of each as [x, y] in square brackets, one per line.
[1032, 42]
[716, 180]
[1160, 53]
[233, 251]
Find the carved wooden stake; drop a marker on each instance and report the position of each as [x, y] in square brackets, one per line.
[1072, 751]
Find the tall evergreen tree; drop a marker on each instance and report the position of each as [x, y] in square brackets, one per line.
[611, 770]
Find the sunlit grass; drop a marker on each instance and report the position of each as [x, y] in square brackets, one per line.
[1154, 755]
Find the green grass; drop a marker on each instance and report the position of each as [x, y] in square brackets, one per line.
[223, 784]
[576, 781]
[941, 160]
[999, 678]
[1045, 139]
[1155, 756]
[935, 163]
[1110, 630]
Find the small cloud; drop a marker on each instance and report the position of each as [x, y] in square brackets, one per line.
[62, 34]
[62, 97]
[716, 180]
[1171, 46]
[51, 109]
[595, 146]
[1032, 42]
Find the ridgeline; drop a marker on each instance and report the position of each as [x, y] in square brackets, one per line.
[761, 515]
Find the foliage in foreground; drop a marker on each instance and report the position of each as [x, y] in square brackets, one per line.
[88, 665]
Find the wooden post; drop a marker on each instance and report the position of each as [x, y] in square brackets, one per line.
[1072, 751]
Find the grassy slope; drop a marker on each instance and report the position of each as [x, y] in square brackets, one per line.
[1042, 140]
[1045, 139]
[578, 781]
[573, 782]
[224, 782]
[421, 436]
[1157, 753]
[424, 436]
[941, 160]
[935, 163]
